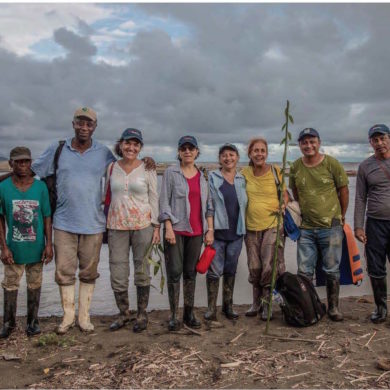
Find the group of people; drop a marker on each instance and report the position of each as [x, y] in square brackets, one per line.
[222, 208]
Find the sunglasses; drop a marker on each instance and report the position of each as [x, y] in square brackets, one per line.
[191, 148]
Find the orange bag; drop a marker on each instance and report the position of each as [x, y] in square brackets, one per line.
[354, 255]
[205, 259]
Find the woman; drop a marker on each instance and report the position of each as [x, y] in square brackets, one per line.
[184, 210]
[131, 221]
[261, 225]
[227, 190]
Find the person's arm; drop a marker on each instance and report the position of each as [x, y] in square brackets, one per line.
[343, 195]
[166, 215]
[6, 254]
[153, 201]
[209, 236]
[360, 206]
[44, 165]
[47, 255]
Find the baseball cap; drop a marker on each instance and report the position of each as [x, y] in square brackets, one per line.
[308, 131]
[381, 129]
[188, 139]
[132, 134]
[20, 153]
[87, 112]
[228, 146]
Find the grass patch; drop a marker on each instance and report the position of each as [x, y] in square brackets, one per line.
[54, 340]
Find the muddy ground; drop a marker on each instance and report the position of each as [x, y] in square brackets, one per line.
[229, 354]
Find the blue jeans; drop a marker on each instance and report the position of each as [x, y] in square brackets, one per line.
[326, 242]
[226, 258]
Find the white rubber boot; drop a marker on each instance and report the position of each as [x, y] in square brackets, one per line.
[85, 298]
[67, 300]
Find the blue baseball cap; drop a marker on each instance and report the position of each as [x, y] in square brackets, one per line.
[308, 131]
[381, 129]
[132, 134]
[188, 139]
[229, 147]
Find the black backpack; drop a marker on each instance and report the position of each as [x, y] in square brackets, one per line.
[302, 305]
[51, 180]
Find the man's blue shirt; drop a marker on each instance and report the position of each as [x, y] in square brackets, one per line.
[79, 186]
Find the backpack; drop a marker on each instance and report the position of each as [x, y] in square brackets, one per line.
[51, 180]
[302, 305]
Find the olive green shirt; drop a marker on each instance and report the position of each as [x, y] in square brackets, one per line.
[317, 190]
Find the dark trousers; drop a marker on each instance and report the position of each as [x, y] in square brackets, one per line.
[182, 257]
[377, 247]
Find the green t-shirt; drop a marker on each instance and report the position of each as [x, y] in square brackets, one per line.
[24, 213]
[317, 190]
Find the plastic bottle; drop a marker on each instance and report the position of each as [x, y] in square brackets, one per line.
[277, 298]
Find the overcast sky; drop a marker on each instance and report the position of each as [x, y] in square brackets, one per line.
[221, 72]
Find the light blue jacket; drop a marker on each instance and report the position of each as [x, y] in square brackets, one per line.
[219, 208]
[174, 202]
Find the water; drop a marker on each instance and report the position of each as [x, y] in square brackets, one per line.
[103, 300]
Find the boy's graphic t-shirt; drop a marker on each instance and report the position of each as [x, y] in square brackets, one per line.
[24, 213]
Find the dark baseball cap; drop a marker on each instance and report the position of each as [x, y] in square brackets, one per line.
[381, 129]
[188, 139]
[308, 131]
[228, 146]
[20, 153]
[132, 134]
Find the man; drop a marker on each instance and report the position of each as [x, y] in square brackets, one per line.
[25, 207]
[320, 185]
[79, 221]
[373, 191]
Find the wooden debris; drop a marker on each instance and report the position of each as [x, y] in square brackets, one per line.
[236, 338]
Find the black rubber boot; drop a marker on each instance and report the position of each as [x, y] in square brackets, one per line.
[227, 299]
[173, 294]
[122, 301]
[256, 305]
[188, 315]
[142, 304]
[9, 319]
[33, 298]
[265, 299]
[332, 292]
[379, 288]
[212, 295]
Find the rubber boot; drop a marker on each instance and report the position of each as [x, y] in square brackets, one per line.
[265, 304]
[122, 301]
[188, 315]
[9, 318]
[254, 309]
[212, 295]
[173, 295]
[227, 297]
[332, 292]
[85, 298]
[67, 300]
[33, 298]
[142, 303]
[379, 288]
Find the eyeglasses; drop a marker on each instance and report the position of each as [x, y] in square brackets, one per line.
[81, 123]
[191, 148]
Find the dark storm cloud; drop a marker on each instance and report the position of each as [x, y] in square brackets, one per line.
[76, 45]
[227, 80]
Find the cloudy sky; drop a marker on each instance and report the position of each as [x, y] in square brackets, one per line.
[221, 72]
